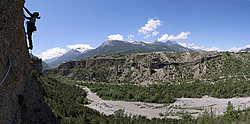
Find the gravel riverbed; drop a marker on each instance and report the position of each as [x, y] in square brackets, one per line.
[193, 106]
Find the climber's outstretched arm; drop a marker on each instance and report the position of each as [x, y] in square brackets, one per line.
[27, 11]
[26, 17]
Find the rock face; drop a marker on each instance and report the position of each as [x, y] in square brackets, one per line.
[159, 67]
[21, 96]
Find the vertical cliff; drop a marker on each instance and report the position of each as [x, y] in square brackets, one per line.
[21, 96]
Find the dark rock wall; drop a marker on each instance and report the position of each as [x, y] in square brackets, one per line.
[21, 98]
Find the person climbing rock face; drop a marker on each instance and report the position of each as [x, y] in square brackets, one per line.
[31, 27]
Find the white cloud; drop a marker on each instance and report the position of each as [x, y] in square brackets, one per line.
[155, 33]
[236, 49]
[51, 53]
[186, 45]
[163, 37]
[148, 35]
[147, 42]
[213, 49]
[191, 44]
[233, 49]
[80, 47]
[198, 47]
[183, 44]
[151, 26]
[130, 37]
[115, 37]
[182, 35]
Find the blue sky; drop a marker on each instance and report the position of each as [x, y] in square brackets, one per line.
[222, 24]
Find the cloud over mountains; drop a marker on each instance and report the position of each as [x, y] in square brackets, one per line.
[149, 29]
[182, 35]
[57, 52]
[52, 53]
[115, 37]
[80, 47]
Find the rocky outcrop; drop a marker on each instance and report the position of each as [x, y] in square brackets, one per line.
[37, 64]
[21, 97]
[64, 68]
[160, 67]
[87, 63]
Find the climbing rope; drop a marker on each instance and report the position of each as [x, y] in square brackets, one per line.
[12, 67]
[7, 72]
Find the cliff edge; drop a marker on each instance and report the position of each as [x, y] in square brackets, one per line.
[21, 95]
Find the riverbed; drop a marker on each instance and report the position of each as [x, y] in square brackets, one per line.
[193, 106]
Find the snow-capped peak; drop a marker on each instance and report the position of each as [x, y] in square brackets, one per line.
[80, 47]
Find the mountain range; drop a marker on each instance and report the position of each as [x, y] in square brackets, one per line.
[68, 56]
[245, 50]
[119, 47]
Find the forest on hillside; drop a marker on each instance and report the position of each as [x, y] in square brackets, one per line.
[67, 102]
[167, 93]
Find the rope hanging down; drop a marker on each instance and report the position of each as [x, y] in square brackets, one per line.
[6, 73]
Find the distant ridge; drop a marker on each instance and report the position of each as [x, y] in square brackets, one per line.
[122, 47]
[69, 56]
[245, 50]
[116, 46]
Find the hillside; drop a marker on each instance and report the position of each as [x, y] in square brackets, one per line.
[45, 65]
[122, 47]
[158, 68]
[178, 81]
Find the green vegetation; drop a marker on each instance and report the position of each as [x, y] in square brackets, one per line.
[225, 76]
[169, 92]
[82, 99]
[231, 116]
[64, 101]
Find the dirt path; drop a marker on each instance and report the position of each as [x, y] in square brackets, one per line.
[193, 106]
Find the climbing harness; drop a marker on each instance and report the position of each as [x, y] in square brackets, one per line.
[7, 71]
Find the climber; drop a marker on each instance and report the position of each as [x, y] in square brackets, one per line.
[31, 27]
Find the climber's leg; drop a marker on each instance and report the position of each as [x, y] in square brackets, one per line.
[30, 40]
[28, 27]
[29, 33]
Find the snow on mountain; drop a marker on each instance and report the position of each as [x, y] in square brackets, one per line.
[80, 47]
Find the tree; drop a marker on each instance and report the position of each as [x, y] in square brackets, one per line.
[230, 114]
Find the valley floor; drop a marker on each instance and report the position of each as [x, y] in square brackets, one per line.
[192, 106]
